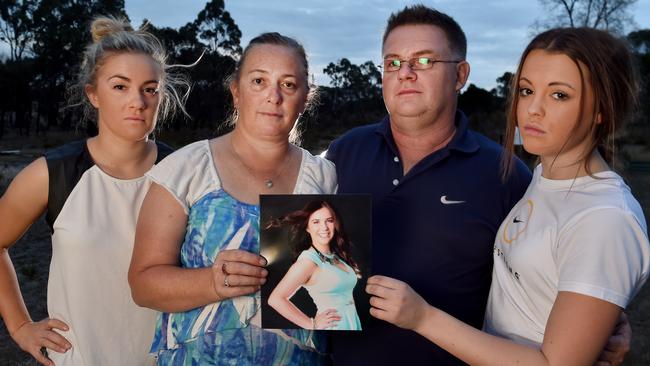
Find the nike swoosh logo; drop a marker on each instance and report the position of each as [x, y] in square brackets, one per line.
[445, 201]
[516, 220]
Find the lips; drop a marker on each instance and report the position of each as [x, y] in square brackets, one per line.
[533, 130]
[271, 114]
[135, 118]
[408, 92]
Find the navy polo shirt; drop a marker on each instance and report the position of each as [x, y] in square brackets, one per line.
[433, 228]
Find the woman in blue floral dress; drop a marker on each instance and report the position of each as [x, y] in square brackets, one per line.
[198, 232]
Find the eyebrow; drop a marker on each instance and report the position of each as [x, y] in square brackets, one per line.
[415, 54]
[129, 80]
[324, 218]
[266, 72]
[553, 83]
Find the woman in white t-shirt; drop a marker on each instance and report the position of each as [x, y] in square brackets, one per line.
[91, 191]
[574, 251]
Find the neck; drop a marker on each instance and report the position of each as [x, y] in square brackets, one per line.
[416, 143]
[119, 152]
[261, 155]
[565, 166]
[323, 249]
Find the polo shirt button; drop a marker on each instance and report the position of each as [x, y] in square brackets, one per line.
[395, 182]
[396, 159]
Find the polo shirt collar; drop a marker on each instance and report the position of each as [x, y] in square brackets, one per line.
[463, 141]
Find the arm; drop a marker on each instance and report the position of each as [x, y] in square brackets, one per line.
[298, 275]
[157, 281]
[23, 202]
[572, 337]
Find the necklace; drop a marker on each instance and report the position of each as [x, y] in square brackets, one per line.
[268, 182]
[325, 258]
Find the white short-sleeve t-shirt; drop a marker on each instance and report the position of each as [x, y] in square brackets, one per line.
[586, 236]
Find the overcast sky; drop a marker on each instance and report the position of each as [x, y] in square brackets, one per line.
[497, 31]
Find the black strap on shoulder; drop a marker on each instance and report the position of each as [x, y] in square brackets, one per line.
[163, 150]
[65, 166]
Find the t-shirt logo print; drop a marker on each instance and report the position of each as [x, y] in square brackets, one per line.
[445, 201]
[519, 223]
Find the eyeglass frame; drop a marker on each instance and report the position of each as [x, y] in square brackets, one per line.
[412, 61]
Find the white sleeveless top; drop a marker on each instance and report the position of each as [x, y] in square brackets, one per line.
[92, 243]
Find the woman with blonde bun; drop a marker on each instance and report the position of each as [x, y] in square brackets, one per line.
[91, 192]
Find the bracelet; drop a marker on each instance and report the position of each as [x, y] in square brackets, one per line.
[313, 323]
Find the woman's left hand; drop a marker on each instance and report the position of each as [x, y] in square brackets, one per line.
[395, 302]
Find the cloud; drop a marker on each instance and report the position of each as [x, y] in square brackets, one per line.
[497, 31]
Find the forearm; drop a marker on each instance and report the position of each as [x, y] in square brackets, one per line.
[12, 306]
[288, 310]
[474, 346]
[171, 288]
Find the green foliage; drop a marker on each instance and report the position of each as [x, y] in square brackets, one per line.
[215, 26]
[15, 26]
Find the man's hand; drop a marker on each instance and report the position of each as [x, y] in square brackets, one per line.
[618, 344]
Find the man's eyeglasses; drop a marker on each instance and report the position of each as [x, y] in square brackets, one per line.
[416, 63]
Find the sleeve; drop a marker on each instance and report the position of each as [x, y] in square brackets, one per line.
[186, 173]
[331, 152]
[605, 254]
[319, 176]
[309, 255]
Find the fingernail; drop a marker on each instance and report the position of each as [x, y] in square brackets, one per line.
[263, 281]
[265, 272]
[263, 261]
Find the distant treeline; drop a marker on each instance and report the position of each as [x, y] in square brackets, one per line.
[46, 40]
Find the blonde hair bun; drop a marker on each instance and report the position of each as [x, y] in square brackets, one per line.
[101, 27]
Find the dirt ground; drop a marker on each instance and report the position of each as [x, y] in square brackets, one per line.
[31, 258]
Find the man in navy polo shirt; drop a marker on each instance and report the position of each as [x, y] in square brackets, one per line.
[438, 195]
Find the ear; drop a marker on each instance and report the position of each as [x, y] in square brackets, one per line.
[234, 90]
[92, 95]
[599, 118]
[462, 73]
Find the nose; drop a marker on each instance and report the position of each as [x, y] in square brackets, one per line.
[137, 100]
[536, 105]
[275, 95]
[323, 226]
[405, 72]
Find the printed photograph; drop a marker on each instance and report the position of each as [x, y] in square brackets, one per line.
[319, 250]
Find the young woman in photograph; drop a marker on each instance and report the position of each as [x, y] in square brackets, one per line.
[91, 191]
[324, 267]
[198, 231]
[574, 251]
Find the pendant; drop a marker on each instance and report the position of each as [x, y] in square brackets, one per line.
[269, 183]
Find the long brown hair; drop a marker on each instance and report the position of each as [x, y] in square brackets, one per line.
[297, 222]
[613, 84]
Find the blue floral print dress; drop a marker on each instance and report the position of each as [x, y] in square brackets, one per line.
[228, 332]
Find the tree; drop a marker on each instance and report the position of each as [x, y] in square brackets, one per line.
[640, 43]
[354, 82]
[503, 85]
[60, 36]
[15, 26]
[215, 26]
[611, 15]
